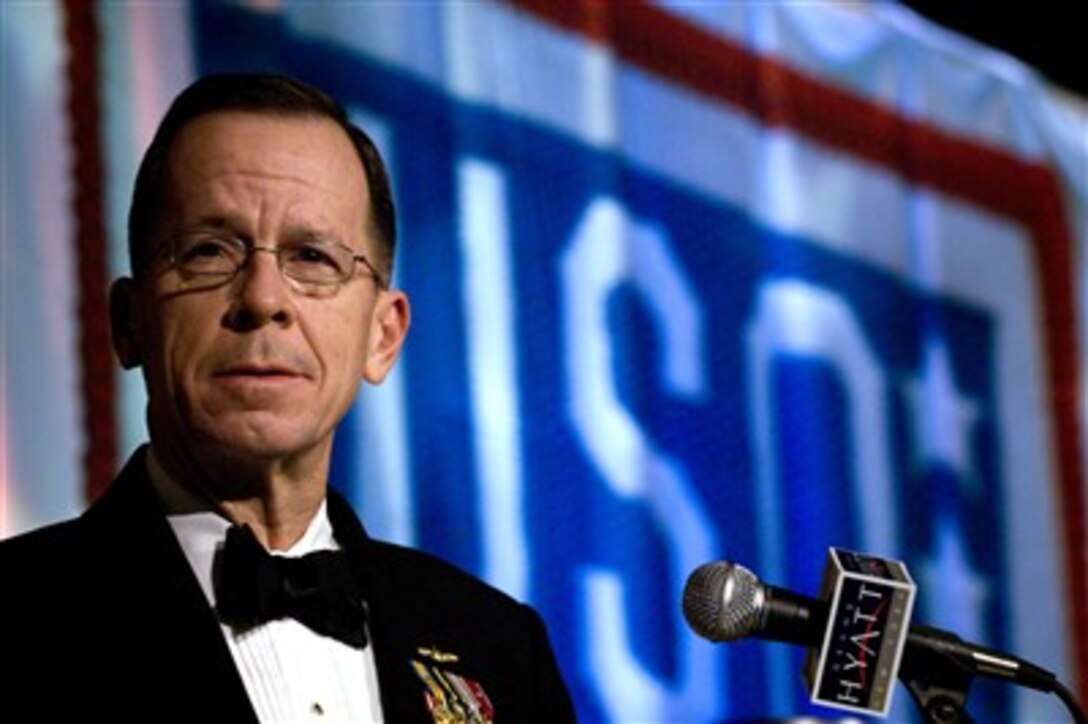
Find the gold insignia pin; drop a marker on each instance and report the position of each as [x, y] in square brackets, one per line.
[436, 655]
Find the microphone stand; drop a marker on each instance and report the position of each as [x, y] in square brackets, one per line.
[938, 679]
[938, 683]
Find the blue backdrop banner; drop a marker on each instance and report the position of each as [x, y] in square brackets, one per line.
[694, 282]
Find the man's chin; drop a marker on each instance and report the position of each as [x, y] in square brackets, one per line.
[259, 444]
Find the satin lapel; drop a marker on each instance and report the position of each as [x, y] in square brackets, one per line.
[153, 609]
[393, 635]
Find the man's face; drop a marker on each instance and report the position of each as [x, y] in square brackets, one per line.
[256, 368]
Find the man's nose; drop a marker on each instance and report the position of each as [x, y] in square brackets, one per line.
[261, 291]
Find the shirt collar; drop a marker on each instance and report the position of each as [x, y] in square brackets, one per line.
[201, 530]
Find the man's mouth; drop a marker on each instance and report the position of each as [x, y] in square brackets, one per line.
[259, 371]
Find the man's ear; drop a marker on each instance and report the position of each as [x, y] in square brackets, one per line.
[388, 328]
[125, 328]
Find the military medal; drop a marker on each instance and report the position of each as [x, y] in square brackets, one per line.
[452, 698]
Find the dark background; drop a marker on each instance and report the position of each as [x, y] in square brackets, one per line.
[1042, 33]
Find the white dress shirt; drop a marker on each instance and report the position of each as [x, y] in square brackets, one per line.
[291, 673]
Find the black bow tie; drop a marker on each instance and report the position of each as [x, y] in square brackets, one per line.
[318, 589]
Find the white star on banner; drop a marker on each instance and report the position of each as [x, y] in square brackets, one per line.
[942, 417]
[955, 593]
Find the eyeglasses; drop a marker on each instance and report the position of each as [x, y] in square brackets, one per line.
[308, 261]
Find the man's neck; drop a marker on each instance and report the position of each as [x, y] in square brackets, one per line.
[278, 521]
[277, 500]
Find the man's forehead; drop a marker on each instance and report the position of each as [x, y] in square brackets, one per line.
[309, 151]
[241, 170]
[234, 133]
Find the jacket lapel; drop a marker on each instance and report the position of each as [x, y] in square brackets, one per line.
[393, 634]
[154, 619]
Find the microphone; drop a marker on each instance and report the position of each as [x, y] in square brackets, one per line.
[855, 632]
[725, 602]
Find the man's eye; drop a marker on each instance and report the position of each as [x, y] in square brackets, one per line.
[311, 255]
[208, 248]
[204, 250]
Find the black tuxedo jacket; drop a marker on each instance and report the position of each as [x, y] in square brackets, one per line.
[102, 619]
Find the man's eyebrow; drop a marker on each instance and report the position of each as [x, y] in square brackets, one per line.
[309, 231]
[219, 222]
[236, 223]
[238, 226]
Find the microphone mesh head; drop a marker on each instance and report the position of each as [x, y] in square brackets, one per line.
[723, 601]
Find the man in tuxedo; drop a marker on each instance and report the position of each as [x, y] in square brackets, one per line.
[218, 578]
